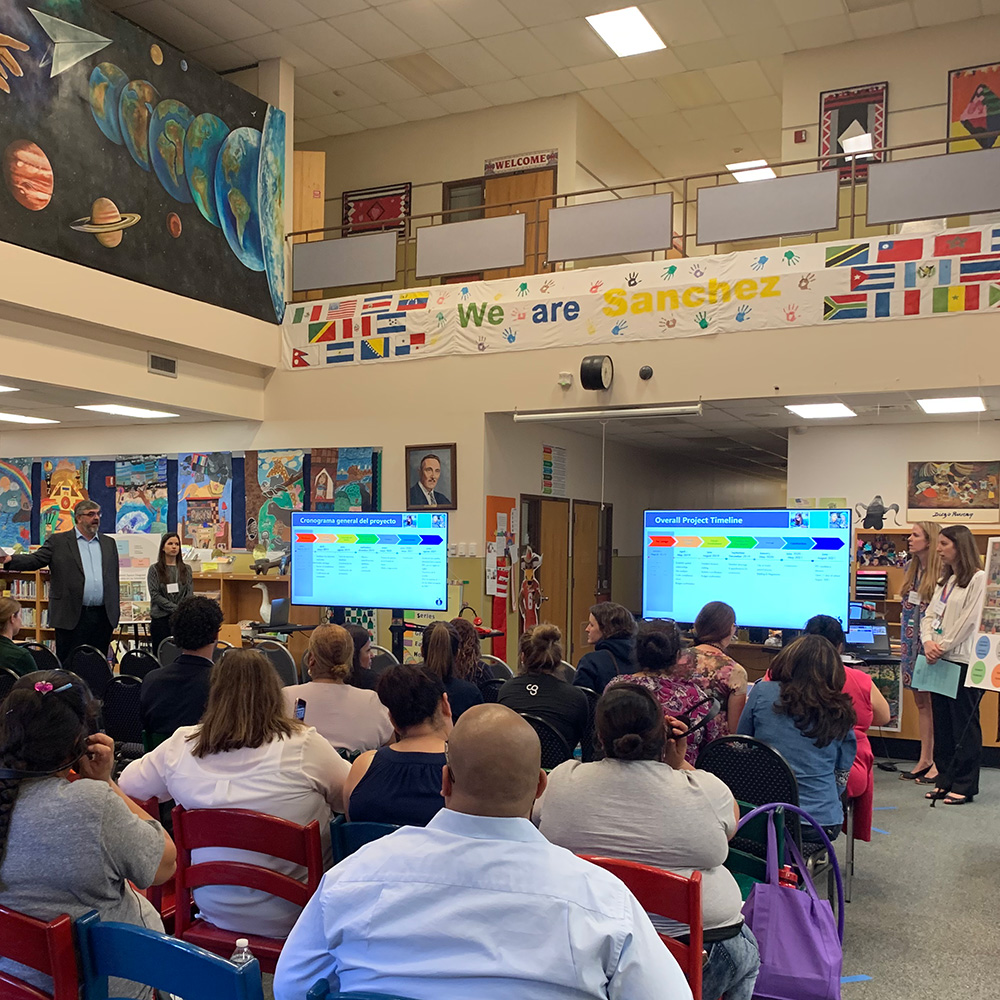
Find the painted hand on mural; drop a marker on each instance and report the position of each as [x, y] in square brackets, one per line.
[440, 320]
[465, 293]
[669, 272]
[791, 313]
[443, 298]
[7, 61]
[791, 257]
[805, 281]
[697, 270]
[510, 335]
[547, 285]
[668, 324]
[596, 287]
[702, 320]
[481, 344]
[619, 328]
[633, 279]
[742, 313]
[522, 289]
[758, 264]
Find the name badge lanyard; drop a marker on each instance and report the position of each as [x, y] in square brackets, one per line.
[945, 594]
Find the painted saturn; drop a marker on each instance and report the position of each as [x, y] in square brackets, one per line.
[105, 222]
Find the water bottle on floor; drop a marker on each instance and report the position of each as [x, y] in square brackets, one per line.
[242, 956]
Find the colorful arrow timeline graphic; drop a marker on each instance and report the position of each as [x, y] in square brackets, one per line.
[308, 538]
[798, 542]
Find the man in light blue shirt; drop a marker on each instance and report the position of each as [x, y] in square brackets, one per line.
[478, 904]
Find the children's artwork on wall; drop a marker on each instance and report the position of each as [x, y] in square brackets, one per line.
[965, 491]
[376, 209]
[205, 499]
[273, 490]
[974, 107]
[119, 154]
[64, 485]
[15, 502]
[874, 513]
[846, 117]
[141, 494]
[343, 479]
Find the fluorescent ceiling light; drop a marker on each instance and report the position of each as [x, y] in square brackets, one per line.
[821, 411]
[953, 404]
[751, 170]
[20, 418]
[9, 388]
[127, 411]
[626, 31]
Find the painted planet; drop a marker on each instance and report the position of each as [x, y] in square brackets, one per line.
[184, 65]
[168, 125]
[106, 222]
[156, 54]
[271, 200]
[236, 179]
[174, 225]
[138, 99]
[107, 82]
[28, 174]
[204, 139]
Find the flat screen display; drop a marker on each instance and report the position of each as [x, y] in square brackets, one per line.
[777, 568]
[384, 560]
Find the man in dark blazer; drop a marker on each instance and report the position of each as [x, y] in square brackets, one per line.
[423, 493]
[83, 584]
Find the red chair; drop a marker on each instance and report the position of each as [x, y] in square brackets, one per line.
[47, 947]
[244, 830]
[671, 896]
[161, 896]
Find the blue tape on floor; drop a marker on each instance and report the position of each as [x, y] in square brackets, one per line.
[855, 979]
[883, 808]
[875, 829]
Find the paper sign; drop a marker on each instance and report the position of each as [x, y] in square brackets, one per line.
[984, 664]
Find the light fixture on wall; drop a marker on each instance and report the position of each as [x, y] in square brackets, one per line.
[953, 404]
[622, 413]
[117, 410]
[820, 411]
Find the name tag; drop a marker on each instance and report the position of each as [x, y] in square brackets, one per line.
[913, 597]
[173, 588]
[936, 609]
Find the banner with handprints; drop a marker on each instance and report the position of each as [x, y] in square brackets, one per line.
[951, 272]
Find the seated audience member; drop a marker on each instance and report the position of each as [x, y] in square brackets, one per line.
[645, 803]
[870, 707]
[477, 875]
[362, 675]
[805, 715]
[712, 667]
[468, 664]
[12, 656]
[538, 690]
[176, 695]
[669, 677]
[245, 754]
[611, 631]
[401, 783]
[438, 649]
[70, 846]
[350, 718]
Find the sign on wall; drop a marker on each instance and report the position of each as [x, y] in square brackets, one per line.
[515, 162]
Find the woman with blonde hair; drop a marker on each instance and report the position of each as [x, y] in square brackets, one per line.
[351, 719]
[919, 580]
[13, 656]
[246, 753]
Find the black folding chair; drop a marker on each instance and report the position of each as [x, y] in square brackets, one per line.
[138, 663]
[7, 680]
[589, 747]
[490, 689]
[555, 749]
[382, 659]
[92, 665]
[45, 658]
[121, 718]
[498, 666]
[168, 651]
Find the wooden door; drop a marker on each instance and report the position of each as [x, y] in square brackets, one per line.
[585, 590]
[499, 191]
[545, 527]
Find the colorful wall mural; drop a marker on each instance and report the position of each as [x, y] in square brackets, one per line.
[64, 485]
[273, 490]
[15, 502]
[205, 499]
[141, 494]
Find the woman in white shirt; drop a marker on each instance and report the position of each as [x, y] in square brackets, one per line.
[947, 630]
[246, 753]
[350, 718]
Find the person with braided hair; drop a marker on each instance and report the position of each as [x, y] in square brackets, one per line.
[70, 847]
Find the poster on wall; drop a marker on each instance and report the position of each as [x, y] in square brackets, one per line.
[141, 494]
[974, 107]
[376, 209]
[15, 502]
[136, 553]
[851, 121]
[342, 479]
[122, 155]
[954, 491]
[64, 485]
[984, 666]
[553, 470]
[273, 490]
[205, 499]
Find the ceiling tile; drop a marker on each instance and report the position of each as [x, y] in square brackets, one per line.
[736, 17]
[716, 120]
[305, 132]
[425, 23]
[826, 31]
[759, 114]
[640, 98]
[418, 109]
[224, 17]
[375, 34]
[308, 105]
[482, 17]
[336, 90]
[381, 82]
[691, 90]
[522, 53]
[471, 63]
[650, 64]
[221, 58]
[335, 124]
[321, 40]
[331, 8]
[681, 22]
[559, 81]
[666, 128]
[774, 70]
[378, 116]
[760, 44]
[795, 11]
[457, 101]
[181, 30]
[275, 45]
[883, 20]
[701, 55]
[634, 135]
[278, 13]
[740, 81]
[574, 42]
[602, 74]
[930, 12]
[603, 104]
[532, 12]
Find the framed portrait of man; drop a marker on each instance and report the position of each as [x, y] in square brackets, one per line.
[431, 477]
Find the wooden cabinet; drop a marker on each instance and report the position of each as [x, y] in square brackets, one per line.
[31, 591]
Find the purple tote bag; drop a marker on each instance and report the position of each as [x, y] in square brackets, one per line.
[801, 956]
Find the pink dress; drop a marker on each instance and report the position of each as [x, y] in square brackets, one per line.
[860, 783]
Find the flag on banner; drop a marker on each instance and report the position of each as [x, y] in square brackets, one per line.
[299, 314]
[873, 278]
[950, 245]
[995, 241]
[845, 307]
[363, 325]
[985, 267]
[342, 350]
[376, 303]
[956, 298]
[900, 250]
[394, 322]
[897, 303]
[374, 349]
[847, 256]
[341, 329]
[300, 358]
[341, 309]
[994, 296]
[316, 314]
[922, 273]
[413, 300]
[409, 343]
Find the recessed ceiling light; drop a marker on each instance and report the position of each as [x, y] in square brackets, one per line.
[127, 411]
[953, 404]
[750, 170]
[626, 31]
[20, 418]
[821, 411]
[9, 388]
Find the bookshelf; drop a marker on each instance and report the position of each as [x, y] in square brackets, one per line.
[31, 591]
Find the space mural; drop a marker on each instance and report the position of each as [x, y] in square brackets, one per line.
[119, 154]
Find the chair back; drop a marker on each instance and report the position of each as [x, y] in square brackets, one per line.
[382, 659]
[45, 658]
[121, 709]
[281, 660]
[151, 958]
[168, 651]
[590, 747]
[498, 666]
[671, 896]
[490, 689]
[221, 647]
[161, 896]
[347, 837]
[555, 749]
[245, 830]
[137, 663]
[7, 680]
[45, 947]
[566, 671]
[92, 665]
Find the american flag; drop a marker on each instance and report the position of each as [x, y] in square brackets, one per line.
[341, 310]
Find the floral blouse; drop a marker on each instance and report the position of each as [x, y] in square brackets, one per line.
[909, 632]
